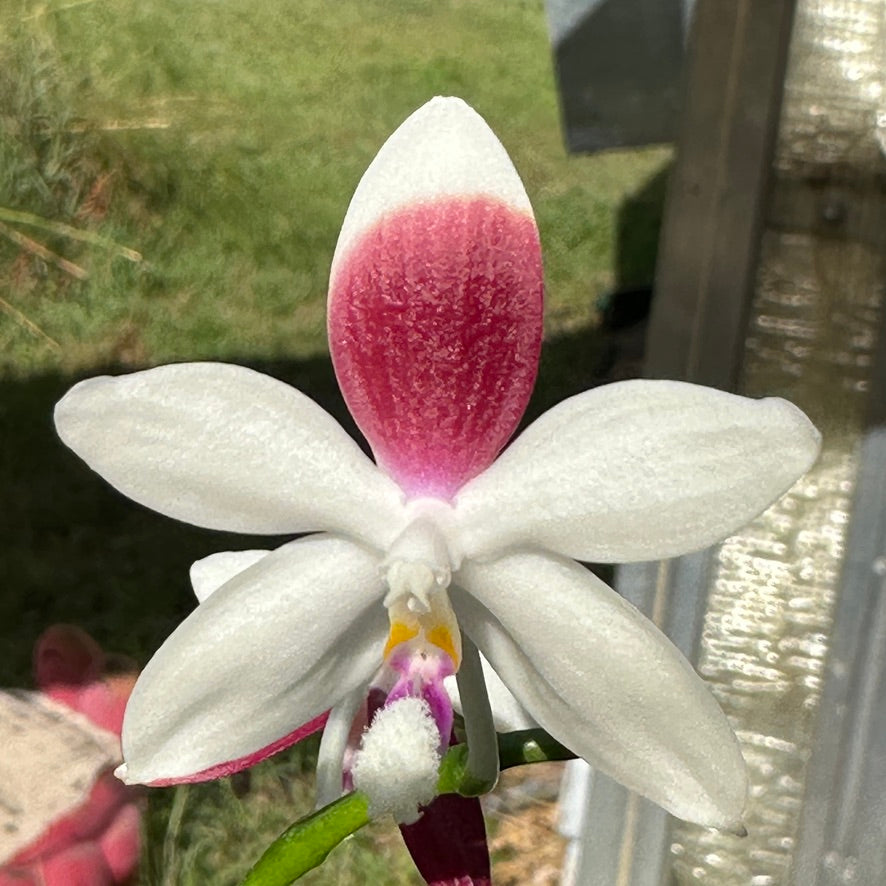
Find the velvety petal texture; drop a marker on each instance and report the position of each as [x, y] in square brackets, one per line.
[600, 677]
[274, 647]
[637, 470]
[228, 448]
[435, 300]
[443, 149]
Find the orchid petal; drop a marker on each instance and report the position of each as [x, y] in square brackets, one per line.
[237, 764]
[507, 713]
[277, 645]
[601, 679]
[210, 573]
[228, 448]
[435, 300]
[637, 470]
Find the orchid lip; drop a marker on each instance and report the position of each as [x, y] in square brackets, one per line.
[423, 649]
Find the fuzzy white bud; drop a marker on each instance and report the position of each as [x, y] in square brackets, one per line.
[397, 764]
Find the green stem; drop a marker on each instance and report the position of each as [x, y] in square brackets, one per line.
[530, 746]
[305, 844]
[514, 749]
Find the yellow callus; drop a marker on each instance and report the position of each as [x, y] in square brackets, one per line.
[436, 627]
[400, 633]
[441, 637]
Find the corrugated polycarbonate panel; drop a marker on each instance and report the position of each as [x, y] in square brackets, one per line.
[770, 614]
[793, 620]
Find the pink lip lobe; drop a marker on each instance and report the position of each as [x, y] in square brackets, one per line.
[435, 326]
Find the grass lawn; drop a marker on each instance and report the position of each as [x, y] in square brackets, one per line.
[172, 180]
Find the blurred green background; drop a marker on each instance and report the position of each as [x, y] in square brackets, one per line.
[172, 180]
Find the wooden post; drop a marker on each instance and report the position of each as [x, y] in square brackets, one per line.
[717, 191]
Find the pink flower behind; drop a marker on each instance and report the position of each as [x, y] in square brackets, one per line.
[70, 668]
[96, 843]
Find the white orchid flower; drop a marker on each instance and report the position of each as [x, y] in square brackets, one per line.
[435, 323]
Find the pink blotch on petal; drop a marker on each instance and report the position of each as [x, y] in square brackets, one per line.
[229, 767]
[435, 326]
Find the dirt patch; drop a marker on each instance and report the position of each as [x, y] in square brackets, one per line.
[522, 819]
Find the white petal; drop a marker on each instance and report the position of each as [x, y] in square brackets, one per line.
[225, 447]
[637, 470]
[444, 149]
[507, 713]
[275, 647]
[210, 573]
[605, 682]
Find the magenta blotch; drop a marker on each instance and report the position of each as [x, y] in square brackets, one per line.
[421, 675]
[435, 326]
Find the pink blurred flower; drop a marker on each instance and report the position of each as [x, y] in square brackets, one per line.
[96, 843]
